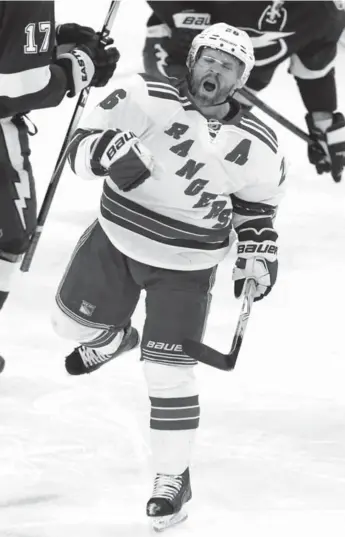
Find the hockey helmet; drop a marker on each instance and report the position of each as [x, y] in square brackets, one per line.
[229, 39]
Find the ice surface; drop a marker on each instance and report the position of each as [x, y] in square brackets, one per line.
[270, 456]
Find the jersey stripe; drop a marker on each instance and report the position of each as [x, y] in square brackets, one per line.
[165, 90]
[250, 208]
[18, 84]
[160, 223]
[162, 86]
[155, 226]
[149, 234]
[258, 122]
[256, 132]
[261, 128]
[163, 95]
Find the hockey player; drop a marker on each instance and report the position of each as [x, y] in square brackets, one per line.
[181, 167]
[34, 74]
[305, 32]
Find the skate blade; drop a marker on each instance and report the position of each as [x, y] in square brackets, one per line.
[162, 523]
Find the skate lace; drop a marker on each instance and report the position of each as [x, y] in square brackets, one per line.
[91, 356]
[167, 486]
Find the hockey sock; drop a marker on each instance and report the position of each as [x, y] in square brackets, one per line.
[174, 416]
[8, 266]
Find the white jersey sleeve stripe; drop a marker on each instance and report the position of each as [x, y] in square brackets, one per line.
[255, 131]
[255, 125]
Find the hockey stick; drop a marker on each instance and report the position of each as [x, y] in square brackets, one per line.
[61, 161]
[253, 99]
[216, 359]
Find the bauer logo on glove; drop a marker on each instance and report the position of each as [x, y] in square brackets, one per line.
[123, 158]
[257, 259]
[254, 248]
[118, 143]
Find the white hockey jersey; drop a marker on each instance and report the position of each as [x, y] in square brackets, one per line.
[208, 176]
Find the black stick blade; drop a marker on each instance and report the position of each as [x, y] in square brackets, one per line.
[225, 362]
[207, 355]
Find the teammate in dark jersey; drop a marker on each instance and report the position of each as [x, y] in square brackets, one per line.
[305, 32]
[35, 74]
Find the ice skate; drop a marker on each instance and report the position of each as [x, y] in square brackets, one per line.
[166, 506]
[86, 359]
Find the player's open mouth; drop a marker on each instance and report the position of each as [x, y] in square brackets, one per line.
[209, 86]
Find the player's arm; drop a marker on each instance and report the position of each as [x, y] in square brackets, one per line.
[171, 13]
[31, 75]
[254, 210]
[185, 20]
[314, 71]
[108, 141]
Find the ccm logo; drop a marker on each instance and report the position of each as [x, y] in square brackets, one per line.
[257, 249]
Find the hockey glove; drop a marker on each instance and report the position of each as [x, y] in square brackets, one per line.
[84, 66]
[257, 259]
[121, 156]
[75, 34]
[105, 61]
[79, 69]
[328, 151]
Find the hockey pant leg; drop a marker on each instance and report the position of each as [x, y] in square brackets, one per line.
[17, 199]
[97, 296]
[177, 305]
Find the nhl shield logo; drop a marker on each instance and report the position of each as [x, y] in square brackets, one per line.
[214, 127]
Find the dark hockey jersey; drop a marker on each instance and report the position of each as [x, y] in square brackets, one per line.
[29, 79]
[306, 32]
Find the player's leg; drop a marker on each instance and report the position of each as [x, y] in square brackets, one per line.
[17, 201]
[177, 305]
[94, 303]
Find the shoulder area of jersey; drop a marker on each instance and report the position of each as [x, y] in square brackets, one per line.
[135, 84]
[168, 89]
[163, 81]
[251, 124]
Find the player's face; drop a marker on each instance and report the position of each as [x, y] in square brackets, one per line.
[213, 76]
